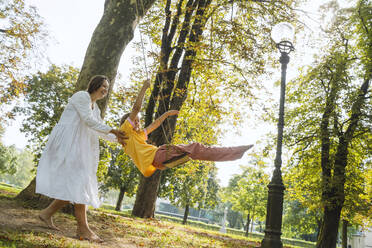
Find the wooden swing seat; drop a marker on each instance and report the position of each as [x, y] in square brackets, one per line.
[176, 161]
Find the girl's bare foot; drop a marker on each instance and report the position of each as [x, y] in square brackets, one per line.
[48, 221]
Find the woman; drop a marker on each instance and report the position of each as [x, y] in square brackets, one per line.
[68, 165]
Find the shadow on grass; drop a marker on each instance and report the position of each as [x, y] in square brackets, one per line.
[6, 240]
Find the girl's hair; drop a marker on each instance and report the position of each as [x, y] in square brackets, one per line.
[124, 118]
[96, 82]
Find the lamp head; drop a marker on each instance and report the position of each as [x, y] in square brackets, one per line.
[283, 35]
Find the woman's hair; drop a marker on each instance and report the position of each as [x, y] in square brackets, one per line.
[96, 82]
[124, 118]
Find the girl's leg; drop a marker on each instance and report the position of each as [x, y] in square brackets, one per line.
[83, 231]
[199, 151]
[47, 213]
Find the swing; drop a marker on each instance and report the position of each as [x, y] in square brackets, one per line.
[179, 160]
[176, 161]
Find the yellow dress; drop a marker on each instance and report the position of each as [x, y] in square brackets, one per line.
[140, 152]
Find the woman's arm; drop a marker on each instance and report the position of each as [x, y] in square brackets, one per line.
[115, 136]
[160, 120]
[82, 102]
[137, 105]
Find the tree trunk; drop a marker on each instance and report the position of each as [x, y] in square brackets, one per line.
[319, 225]
[344, 233]
[334, 196]
[252, 224]
[120, 198]
[247, 226]
[186, 214]
[144, 205]
[113, 33]
[37, 201]
[329, 228]
[31, 199]
[148, 189]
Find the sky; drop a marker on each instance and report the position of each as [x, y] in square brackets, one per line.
[70, 24]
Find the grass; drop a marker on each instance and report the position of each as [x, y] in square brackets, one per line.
[8, 190]
[234, 233]
[26, 239]
[20, 227]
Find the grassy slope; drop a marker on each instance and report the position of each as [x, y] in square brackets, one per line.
[20, 227]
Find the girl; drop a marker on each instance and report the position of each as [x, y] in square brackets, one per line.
[148, 158]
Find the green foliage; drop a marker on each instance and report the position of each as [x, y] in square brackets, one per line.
[329, 121]
[121, 172]
[24, 169]
[234, 218]
[195, 183]
[298, 221]
[8, 159]
[8, 191]
[205, 57]
[46, 96]
[231, 231]
[21, 39]
[247, 192]
[230, 56]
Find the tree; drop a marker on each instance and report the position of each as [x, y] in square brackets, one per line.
[112, 34]
[193, 185]
[331, 122]
[186, 50]
[299, 222]
[121, 174]
[46, 95]
[21, 37]
[8, 159]
[25, 169]
[247, 193]
[234, 219]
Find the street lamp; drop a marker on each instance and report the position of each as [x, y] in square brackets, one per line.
[282, 34]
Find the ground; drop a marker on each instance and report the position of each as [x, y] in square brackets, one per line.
[20, 227]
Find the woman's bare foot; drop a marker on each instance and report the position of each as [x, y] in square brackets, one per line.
[48, 221]
[88, 235]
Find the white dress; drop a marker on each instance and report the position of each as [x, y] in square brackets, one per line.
[68, 165]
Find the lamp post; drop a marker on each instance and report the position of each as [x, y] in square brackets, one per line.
[282, 34]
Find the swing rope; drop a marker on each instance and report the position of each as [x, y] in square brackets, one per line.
[148, 77]
[180, 159]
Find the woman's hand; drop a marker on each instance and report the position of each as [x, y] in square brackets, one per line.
[173, 112]
[120, 135]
